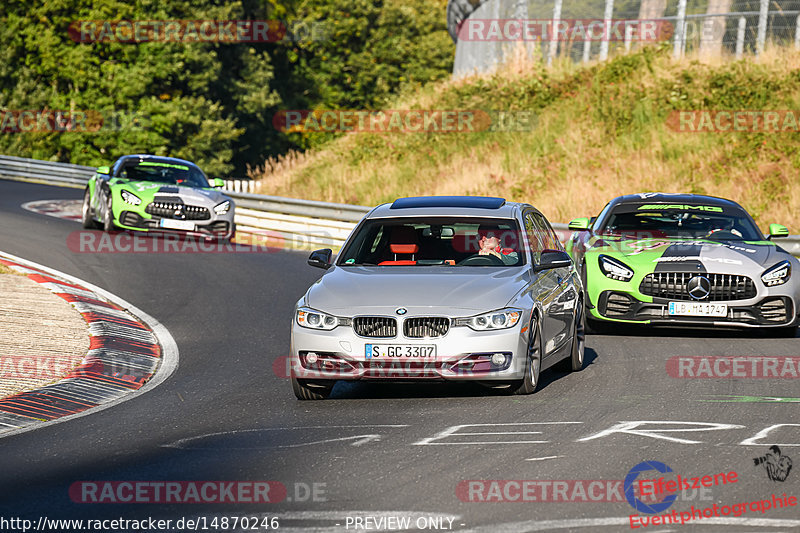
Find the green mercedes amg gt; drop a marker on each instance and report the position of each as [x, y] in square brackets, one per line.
[152, 193]
[684, 260]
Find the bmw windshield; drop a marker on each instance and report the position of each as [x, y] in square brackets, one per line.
[435, 241]
[642, 221]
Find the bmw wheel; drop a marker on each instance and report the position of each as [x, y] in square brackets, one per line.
[532, 362]
[311, 390]
[574, 362]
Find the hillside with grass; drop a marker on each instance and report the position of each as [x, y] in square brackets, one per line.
[601, 130]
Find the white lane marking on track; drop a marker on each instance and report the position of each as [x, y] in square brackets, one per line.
[452, 432]
[569, 524]
[169, 349]
[183, 444]
[631, 428]
[544, 458]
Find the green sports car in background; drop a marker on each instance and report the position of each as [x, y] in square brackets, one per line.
[684, 260]
[151, 193]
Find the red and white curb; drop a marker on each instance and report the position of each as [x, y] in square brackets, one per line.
[129, 354]
[63, 209]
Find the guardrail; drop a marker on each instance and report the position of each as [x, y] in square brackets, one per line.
[293, 223]
[297, 224]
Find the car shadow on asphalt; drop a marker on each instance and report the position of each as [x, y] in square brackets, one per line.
[374, 390]
[635, 330]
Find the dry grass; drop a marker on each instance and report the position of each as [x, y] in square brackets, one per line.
[595, 139]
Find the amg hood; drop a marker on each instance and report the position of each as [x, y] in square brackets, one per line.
[147, 190]
[705, 255]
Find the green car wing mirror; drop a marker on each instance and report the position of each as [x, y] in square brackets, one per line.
[776, 230]
[578, 224]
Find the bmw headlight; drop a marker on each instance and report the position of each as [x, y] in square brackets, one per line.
[313, 319]
[130, 198]
[614, 269]
[777, 274]
[500, 319]
[223, 208]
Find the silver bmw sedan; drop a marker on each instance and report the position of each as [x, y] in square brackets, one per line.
[440, 288]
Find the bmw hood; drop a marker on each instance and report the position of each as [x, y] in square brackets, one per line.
[695, 255]
[445, 290]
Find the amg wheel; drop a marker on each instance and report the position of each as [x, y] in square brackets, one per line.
[108, 215]
[86, 212]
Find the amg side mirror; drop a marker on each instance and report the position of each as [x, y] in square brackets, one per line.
[578, 224]
[776, 231]
[553, 259]
[218, 183]
[321, 258]
[104, 170]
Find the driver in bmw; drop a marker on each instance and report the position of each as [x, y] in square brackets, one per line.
[489, 243]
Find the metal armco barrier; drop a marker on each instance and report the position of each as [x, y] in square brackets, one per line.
[297, 224]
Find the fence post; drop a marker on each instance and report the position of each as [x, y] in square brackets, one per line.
[740, 37]
[797, 34]
[553, 50]
[762, 26]
[587, 48]
[609, 12]
[680, 29]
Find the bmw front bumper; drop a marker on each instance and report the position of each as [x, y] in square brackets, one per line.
[461, 354]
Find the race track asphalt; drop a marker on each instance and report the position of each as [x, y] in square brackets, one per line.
[379, 450]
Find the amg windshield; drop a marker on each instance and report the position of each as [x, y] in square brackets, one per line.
[169, 173]
[435, 241]
[640, 221]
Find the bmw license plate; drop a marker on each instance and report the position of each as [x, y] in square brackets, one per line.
[184, 225]
[403, 352]
[698, 309]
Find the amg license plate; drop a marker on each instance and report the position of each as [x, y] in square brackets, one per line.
[697, 309]
[184, 225]
[394, 352]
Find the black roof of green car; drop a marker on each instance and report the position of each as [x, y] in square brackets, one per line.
[657, 198]
[157, 159]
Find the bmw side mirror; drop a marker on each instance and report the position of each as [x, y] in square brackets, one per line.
[578, 224]
[104, 170]
[218, 183]
[553, 259]
[321, 258]
[777, 231]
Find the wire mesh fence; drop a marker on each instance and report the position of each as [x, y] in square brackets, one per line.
[488, 31]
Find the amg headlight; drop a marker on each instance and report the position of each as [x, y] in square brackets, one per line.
[777, 274]
[223, 208]
[313, 319]
[500, 319]
[614, 269]
[130, 198]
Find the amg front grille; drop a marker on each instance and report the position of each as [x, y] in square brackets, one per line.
[375, 326]
[428, 326]
[672, 286]
[177, 211]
